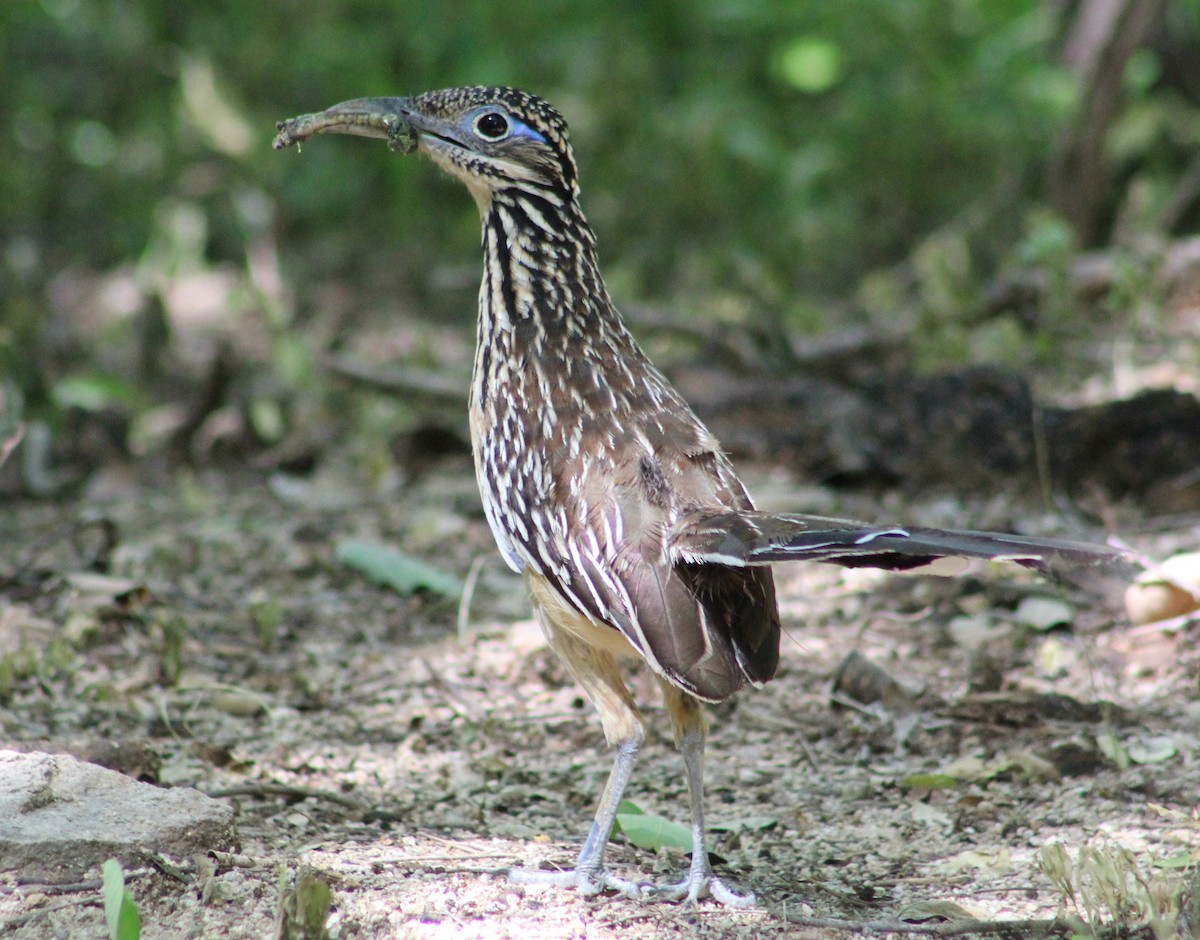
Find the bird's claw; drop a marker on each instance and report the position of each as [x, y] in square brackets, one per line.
[693, 889]
[587, 882]
[590, 883]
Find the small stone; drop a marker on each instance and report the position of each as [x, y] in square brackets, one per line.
[60, 818]
[1043, 613]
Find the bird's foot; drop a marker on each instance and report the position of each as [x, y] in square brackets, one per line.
[588, 882]
[700, 885]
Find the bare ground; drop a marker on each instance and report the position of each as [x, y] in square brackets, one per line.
[407, 751]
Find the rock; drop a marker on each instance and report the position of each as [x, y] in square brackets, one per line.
[60, 818]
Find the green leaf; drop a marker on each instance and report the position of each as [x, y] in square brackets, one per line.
[129, 921]
[648, 831]
[114, 893]
[922, 912]
[403, 573]
[124, 922]
[929, 782]
[1111, 747]
[93, 392]
[1152, 750]
[1179, 860]
[304, 907]
[313, 902]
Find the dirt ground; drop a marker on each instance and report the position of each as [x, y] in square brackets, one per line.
[408, 749]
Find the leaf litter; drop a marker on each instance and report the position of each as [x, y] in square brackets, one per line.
[363, 742]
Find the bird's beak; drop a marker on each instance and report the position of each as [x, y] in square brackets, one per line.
[396, 120]
[390, 119]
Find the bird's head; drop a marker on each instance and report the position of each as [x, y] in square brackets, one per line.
[492, 138]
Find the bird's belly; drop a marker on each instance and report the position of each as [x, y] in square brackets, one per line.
[561, 616]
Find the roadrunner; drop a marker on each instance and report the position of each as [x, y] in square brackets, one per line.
[634, 535]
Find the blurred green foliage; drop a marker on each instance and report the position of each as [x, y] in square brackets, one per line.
[767, 146]
[753, 155]
[813, 140]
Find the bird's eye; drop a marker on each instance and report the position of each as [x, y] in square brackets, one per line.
[491, 125]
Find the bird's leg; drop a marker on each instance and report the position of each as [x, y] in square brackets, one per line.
[596, 671]
[687, 719]
[581, 645]
[589, 875]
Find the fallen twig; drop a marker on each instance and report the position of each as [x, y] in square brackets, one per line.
[1032, 929]
[269, 788]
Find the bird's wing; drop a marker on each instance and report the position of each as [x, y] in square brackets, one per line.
[706, 628]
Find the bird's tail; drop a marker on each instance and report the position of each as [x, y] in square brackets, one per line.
[758, 538]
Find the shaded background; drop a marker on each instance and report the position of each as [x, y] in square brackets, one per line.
[1003, 181]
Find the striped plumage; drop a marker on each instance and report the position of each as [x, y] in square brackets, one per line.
[600, 484]
[586, 455]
